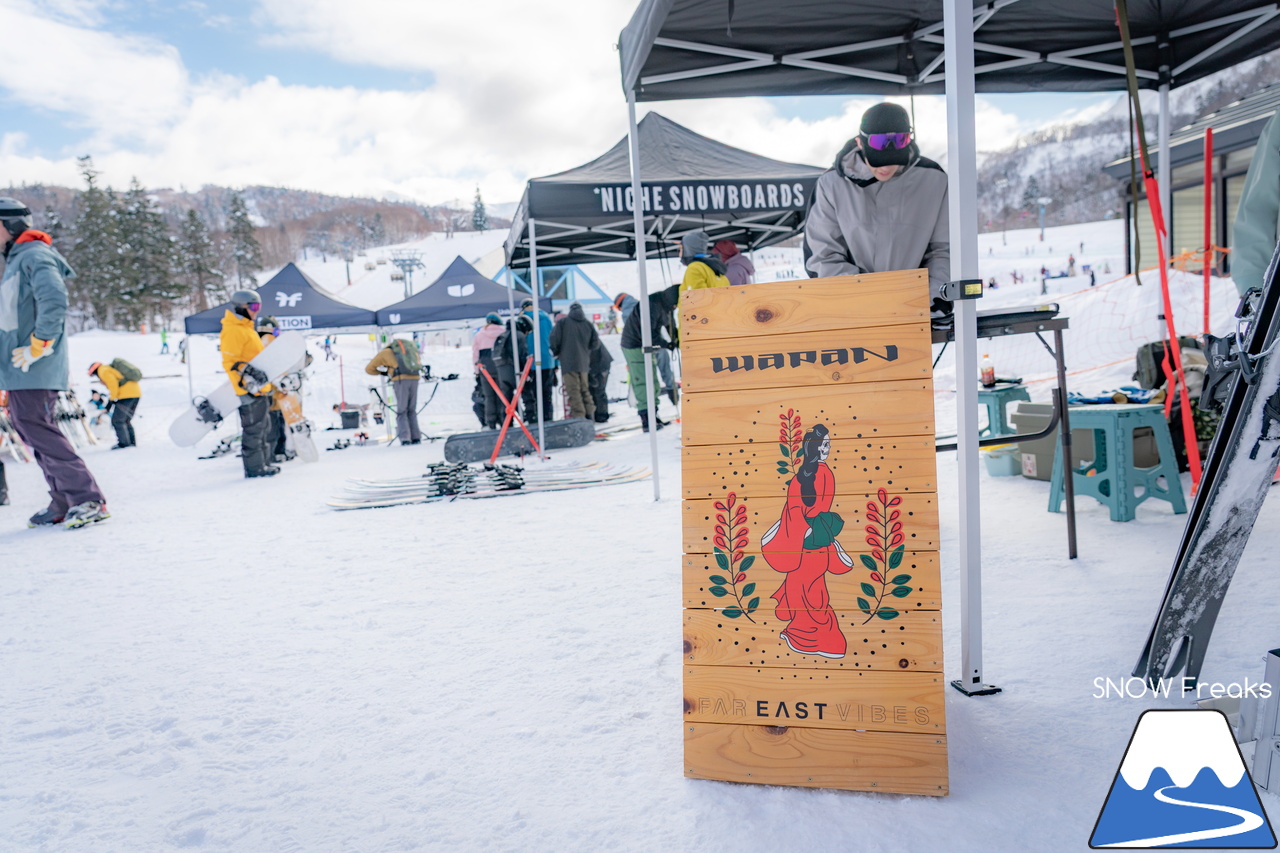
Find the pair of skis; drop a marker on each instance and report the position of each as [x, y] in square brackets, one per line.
[446, 482]
[1244, 369]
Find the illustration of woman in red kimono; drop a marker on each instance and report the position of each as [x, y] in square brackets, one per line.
[802, 545]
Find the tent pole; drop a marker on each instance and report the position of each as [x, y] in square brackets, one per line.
[511, 320]
[962, 195]
[1166, 176]
[642, 258]
[535, 286]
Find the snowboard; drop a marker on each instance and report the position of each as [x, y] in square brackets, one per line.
[478, 446]
[1238, 470]
[298, 436]
[447, 482]
[281, 356]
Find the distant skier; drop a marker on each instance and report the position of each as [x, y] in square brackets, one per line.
[33, 311]
[662, 306]
[738, 267]
[328, 348]
[124, 394]
[598, 380]
[164, 341]
[548, 359]
[240, 343]
[482, 356]
[399, 362]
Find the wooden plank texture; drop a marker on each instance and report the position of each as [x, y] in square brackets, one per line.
[921, 566]
[918, 516]
[811, 698]
[899, 463]
[838, 357]
[911, 641]
[886, 762]
[808, 305]
[877, 409]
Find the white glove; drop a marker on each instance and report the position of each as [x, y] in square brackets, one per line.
[24, 357]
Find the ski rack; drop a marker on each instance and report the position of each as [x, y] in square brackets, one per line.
[1034, 321]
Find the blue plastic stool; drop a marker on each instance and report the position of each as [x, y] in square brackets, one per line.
[1117, 479]
[996, 399]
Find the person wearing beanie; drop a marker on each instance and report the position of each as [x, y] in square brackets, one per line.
[702, 269]
[482, 356]
[34, 365]
[124, 395]
[881, 206]
[548, 359]
[572, 340]
[738, 267]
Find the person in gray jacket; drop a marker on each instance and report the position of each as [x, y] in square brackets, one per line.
[33, 365]
[1257, 227]
[571, 343]
[881, 206]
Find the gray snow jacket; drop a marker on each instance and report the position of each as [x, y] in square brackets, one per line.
[1257, 225]
[858, 224]
[572, 339]
[33, 301]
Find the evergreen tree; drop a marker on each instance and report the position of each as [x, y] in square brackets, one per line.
[93, 251]
[378, 231]
[198, 262]
[479, 218]
[51, 223]
[148, 284]
[246, 254]
[1031, 194]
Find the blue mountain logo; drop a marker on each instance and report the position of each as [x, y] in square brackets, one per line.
[1183, 783]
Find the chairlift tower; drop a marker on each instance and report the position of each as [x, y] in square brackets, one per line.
[407, 260]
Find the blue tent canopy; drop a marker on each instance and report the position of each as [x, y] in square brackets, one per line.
[296, 302]
[460, 293]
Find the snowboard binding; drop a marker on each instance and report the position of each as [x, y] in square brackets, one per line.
[206, 411]
[1228, 357]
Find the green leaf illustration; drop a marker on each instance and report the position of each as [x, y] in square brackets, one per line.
[782, 470]
[869, 562]
[718, 591]
[746, 563]
[732, 612]
[748, 589]
[753, 604]
[721, 579]
[868, 589]
[895, 558]
[786, 451]
[897, 579]
[888, 613]
[864, 605]
[901, 592]
[721, 560]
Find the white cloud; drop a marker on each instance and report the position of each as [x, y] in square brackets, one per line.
[519, 90]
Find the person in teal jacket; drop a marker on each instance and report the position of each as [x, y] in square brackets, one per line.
[1257, 227]
[549, 362]
[33, 365]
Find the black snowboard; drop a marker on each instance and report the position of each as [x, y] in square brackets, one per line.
[1237, 473]
[478, 446]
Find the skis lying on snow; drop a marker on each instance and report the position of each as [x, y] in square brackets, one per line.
[1245, 371]
[445, 482]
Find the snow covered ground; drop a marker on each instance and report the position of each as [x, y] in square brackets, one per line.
[230, 665]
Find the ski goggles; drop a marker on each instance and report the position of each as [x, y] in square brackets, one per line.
[254, 306]
[887, 141]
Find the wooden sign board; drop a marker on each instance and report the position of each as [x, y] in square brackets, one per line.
[812, 621]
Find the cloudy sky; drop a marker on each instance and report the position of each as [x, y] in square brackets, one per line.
[422, 99]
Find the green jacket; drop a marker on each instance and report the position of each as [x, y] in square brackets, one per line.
[33, 301]
[1257, 227]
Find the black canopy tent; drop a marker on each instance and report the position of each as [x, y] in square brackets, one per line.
[297, 303]
[675, 49]
[460, 293]
[584, 215]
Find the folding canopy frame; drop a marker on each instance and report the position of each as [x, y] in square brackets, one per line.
[675, 49]
[693, 183]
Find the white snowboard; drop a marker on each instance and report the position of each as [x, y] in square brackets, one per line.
[280, 357]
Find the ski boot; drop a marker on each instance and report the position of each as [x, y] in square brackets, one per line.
[86, 513]
[46, 518]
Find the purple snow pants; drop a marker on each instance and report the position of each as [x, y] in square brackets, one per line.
[70, 482]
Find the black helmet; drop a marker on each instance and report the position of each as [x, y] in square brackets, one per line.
[524, 324]
[15, 216]
[266, 323]
[242, 298]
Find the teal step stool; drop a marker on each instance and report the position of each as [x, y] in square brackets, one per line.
[996, 399]
[1116, 478]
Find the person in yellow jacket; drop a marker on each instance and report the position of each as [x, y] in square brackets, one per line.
[124, 395]
[702, 267]
[405, 382]
[240, 343]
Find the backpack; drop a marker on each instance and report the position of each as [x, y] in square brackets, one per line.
[1150, 372]
[126, 369]
[406, 353]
